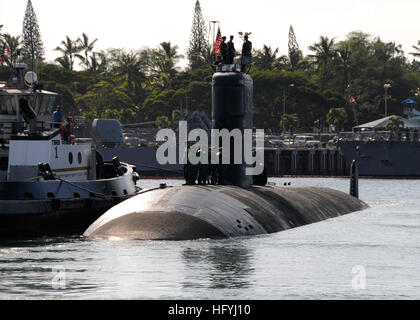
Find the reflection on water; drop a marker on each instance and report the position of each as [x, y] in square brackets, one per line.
[34, 268]
[224, 266]
[316, 260]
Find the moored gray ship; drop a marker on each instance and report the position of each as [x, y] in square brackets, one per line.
[384, 153]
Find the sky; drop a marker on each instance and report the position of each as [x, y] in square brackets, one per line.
[134, 24]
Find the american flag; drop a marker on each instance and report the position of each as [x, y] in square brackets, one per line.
[217, 43]
[4, 52]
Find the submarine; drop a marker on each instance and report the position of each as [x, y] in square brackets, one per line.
[234, 205]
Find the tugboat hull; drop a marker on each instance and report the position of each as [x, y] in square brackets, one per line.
[54, 208]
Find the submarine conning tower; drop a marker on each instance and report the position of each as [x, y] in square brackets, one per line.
[232, 107]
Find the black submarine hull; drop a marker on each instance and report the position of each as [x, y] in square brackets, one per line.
[194, 212]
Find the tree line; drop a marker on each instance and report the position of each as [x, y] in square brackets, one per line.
[290, 90]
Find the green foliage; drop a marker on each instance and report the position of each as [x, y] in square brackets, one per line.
[50, 72]
[322, 57]
[337, 117]
[199, 96]
[102, 97]
[85, 46]
[176, 116]
[199, 47]
[128, 69]
[33, 49]
[162, 122]
[144, 84]
[295, 55]
[14, 45]
[141, 85]
[289, 122]
[266, 59]
[69, 49]
[394, 124]
[110, 114]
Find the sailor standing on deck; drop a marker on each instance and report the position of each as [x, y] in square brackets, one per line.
[246, 54]
[57, 117]
[230, 51]
[224, 50]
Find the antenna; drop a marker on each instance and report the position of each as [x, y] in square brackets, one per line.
[243, 34]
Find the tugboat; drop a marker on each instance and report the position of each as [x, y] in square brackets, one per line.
[51, 183]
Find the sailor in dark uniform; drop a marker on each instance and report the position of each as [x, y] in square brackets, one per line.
[407, 134]
[190, 170]
[212, 168]
[224, 50]
[246, 54]
[203, 169]
[231, 52]
[220, 168]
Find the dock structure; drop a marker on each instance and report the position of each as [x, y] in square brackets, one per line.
[305, 161]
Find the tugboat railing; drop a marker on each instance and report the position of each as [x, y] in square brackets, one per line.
[9, 128]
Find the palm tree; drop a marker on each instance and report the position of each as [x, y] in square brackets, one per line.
[69, 50]
[86, 46]
[98, 62]
[343, 58]
[171, 51]
[168, 57]
[386, 51]
[395, 48]
[129, 67]
[14, 45]
[417, 48]
[266, 59]
[64, 61]
[324, 54]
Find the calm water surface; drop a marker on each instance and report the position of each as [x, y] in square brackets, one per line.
[377, 249]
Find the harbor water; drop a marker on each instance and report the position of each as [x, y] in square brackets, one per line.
[372, 254]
